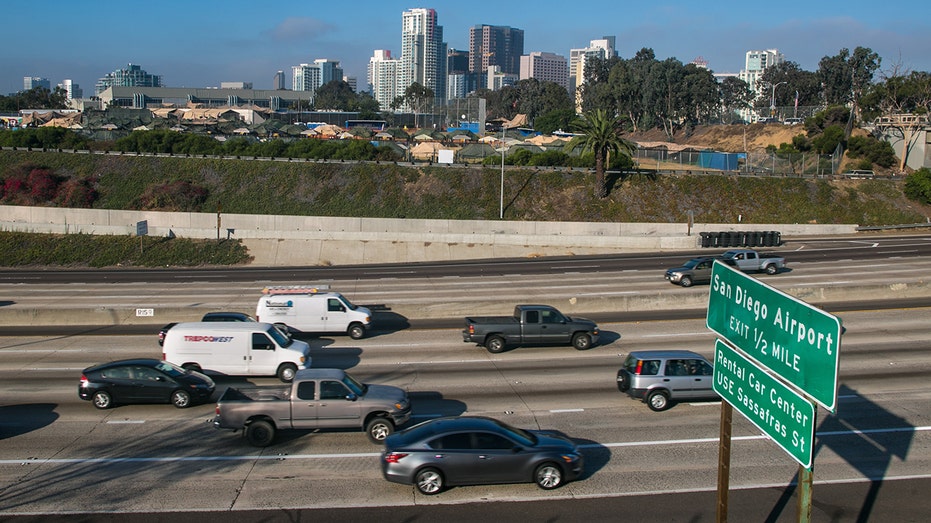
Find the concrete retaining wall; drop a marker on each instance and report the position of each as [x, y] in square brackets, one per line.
[315, 240]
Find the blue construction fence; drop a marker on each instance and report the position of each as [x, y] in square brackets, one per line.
[741, 239]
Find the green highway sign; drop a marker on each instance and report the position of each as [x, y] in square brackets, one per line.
[794, 340]
[780, 412]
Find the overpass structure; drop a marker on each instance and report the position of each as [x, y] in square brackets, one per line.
[909, 136]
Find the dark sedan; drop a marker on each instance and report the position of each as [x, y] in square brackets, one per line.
[444, 452]
[143, 380]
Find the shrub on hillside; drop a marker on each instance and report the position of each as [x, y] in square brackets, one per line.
[173, 196]
[918, 185]
[874, 151]
[77, 194]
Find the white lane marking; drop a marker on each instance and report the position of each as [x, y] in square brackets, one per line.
[167, 459]
[126, 422]
[560, 411]
[666, 335]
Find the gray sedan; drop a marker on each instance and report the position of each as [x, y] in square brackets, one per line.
[444, 452]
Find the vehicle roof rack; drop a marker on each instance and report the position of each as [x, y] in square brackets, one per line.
[295, 289]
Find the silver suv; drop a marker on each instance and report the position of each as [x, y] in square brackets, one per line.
[661, 377]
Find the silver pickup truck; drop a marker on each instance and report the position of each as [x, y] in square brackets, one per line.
[749, 260]
[316, 399]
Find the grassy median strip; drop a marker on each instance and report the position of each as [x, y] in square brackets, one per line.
[18, 249]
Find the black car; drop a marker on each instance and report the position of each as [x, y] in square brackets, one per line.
[476, 450]
[210, 316]
[143, 380]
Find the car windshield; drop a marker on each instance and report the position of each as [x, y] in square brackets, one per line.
[691, 264]
[357, 388]
[170, 369]
[347, 302]
[521, 435]
[282, 339]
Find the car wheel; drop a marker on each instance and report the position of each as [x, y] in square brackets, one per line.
[102, 400]
[286, 372]
[260, 433]
[191, 367]
[356, 331]
[623, 381]
[429, 481]
[771, 269]
[548, 476]
[581, 341]
[495, 344]
[685, 281]
[181, 399]
[658, 400]
[379, 428]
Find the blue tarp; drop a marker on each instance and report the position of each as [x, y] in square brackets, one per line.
[713, 160]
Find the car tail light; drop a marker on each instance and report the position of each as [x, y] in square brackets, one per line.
[217, 410]
[471, 329]
[639, 368]
[84, 380]
[394, 457]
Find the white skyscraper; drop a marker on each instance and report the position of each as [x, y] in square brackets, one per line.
[310, 77]
[383, 78]
[756, 63]
[602, 48]
[423, 52]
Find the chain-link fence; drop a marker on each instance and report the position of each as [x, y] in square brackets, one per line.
[710, 162]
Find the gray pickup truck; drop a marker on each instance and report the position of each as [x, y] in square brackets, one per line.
[530, 325]
[316, 399]
[751, 261]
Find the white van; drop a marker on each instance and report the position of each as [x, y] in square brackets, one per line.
[237, 349]
[312, 310]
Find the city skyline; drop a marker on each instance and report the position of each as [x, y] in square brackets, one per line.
[241, 42]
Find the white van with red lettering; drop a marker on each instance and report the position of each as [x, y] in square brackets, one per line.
[313, 310]
[236, 349]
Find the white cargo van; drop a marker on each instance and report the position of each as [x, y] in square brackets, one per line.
[312, 310]
[237, 349]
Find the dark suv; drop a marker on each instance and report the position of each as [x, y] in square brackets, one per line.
[661, 377]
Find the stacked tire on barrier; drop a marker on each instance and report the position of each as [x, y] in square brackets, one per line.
[741, 239]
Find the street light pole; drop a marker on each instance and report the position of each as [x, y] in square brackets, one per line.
[772, 102]
[501, 208]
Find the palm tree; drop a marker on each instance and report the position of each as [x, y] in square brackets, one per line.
[600, 134]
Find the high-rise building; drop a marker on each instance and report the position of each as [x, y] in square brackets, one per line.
[72, 90]
[31, 82]
[278, 81]
[491, 45]
[131, 76]
[756, 63]
[495, 78]
[545, 67]
[459, 81]
[601, 48]
[423, 53]
[310, 77]
[383, 78]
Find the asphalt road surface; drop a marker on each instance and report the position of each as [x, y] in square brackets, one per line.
[62, 459]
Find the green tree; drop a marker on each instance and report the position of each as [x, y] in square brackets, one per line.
[918, 185]
[736, 95]
[600, 134]
[336, 96]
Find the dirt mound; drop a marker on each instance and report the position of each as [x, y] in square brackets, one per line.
[727, 138]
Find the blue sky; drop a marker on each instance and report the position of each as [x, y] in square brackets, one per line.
[200, 43]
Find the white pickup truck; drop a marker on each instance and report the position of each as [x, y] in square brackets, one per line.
[749, 260]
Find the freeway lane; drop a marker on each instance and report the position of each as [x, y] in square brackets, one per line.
[59, 454]
[860, 248]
